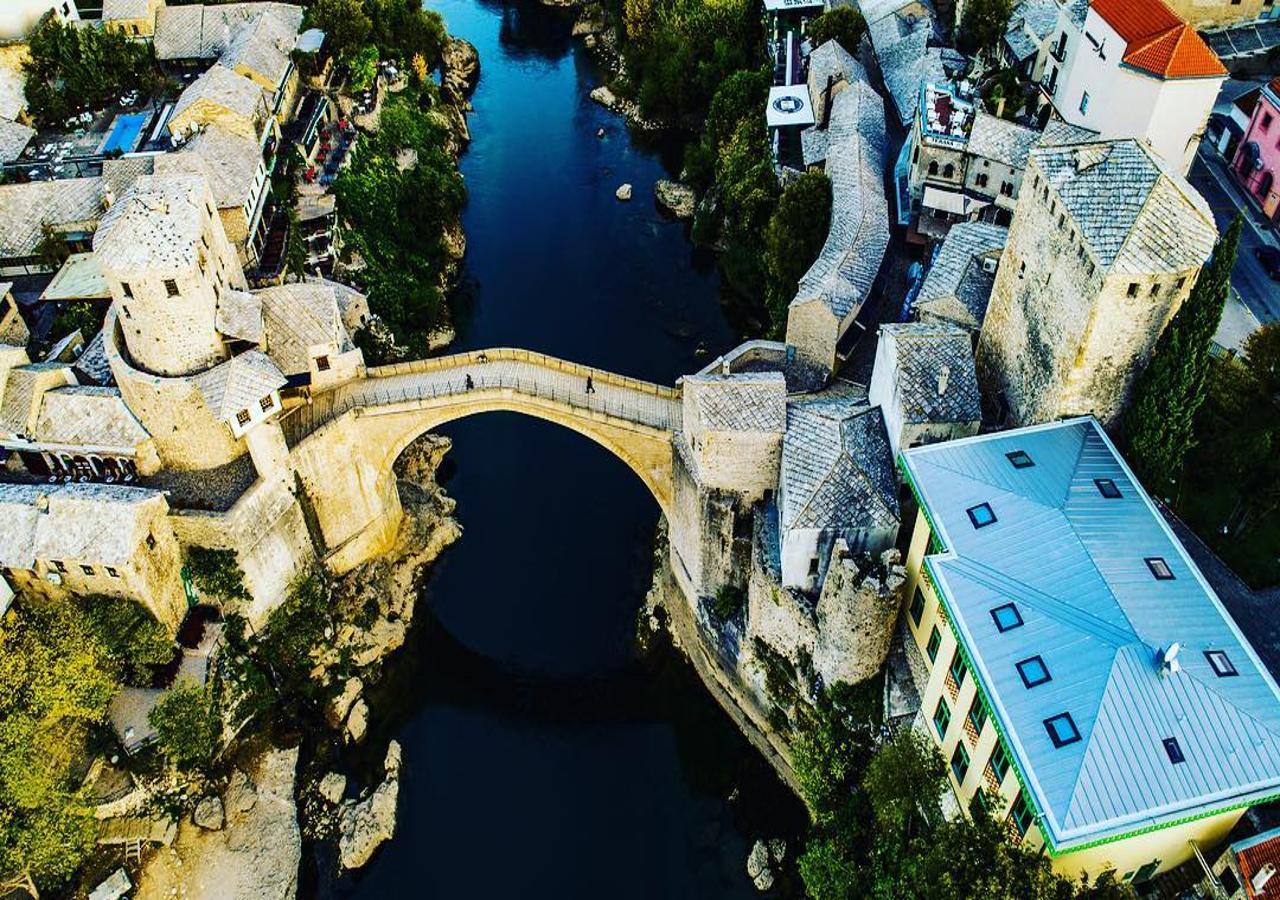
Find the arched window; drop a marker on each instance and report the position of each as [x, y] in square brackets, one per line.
[1264, 186]
[949, 171]
[933, 167]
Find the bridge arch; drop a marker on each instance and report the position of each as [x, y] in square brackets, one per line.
[345, 444]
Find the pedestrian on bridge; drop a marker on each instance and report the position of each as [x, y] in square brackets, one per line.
[470, 383]
[591, 388]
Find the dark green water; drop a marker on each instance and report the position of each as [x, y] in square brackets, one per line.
[543, 756]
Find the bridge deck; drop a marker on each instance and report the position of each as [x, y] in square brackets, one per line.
[522, 372]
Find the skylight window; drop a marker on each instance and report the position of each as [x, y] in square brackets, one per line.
[1062, 730]
[1159, 568]
[1020, 459]
[1221, 664]
[1006, 617]
[1034, 672]
[981, 515]
[1107, 488]
[1174, 750]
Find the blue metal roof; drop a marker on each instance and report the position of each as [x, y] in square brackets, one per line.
[1074, 563]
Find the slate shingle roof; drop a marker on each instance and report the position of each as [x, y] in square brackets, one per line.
[97, 524]
[997, 139]
[154, 229]
[204, 32]
[229, 162]
[956, 287]
[239, 316]
[846, 268]
[837, 467]
[88, 416]
[747, 401]
[1134, 213]
[239, 383]
[13, 140]
[1073, 562]
[934, 379]
[71, 204]
[297, 317]
[221, 86]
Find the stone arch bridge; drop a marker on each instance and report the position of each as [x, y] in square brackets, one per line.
[344, 443]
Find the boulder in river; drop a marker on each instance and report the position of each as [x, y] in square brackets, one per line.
[623, 192]
[675, 199]
[367, 823]
[763, 861]
[358, 721]
[332, 786]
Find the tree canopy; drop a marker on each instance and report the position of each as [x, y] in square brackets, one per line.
[73, 69]
[1158, 426]
[984, 25]
[794, 238]
[392, 29]
[842, 24]
[57, 676]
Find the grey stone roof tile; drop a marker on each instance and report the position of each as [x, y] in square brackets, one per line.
[748, 401]
[934, 378]
[957, 273]
[837, 468]
[1005, 142]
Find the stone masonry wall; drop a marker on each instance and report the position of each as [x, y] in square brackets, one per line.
[1061, 337]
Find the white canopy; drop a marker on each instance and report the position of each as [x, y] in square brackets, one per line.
[954, 202]
[789, 106]
[776, 5]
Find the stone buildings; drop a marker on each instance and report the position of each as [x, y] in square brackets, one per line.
[851, 145]
[957, 286]
[924, 384]
[1209, 13]
[1072, 658]
[1133, 68]
[1103, 249]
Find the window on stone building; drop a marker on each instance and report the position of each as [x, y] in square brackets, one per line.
[813, 567]
[112, 572]
[933, 167]
[125, 310]
[1266, 121]
[59, 565]
[915, 156]
[935, 641]
[322, 363]
[171, 287]
[1084, 103]
[1133, 289]
[1179, 283]
[88, 570]
[266, 403]
[981, 179]
[1006, 188]
[242, 417]
[949, 171]
[128, 291]
[1062, 220]
[1155, 290]
[151, 541]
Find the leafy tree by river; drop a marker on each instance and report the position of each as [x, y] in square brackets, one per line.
[878, 830]
[397, 199]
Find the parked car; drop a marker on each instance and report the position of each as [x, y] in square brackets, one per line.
[1269, 257]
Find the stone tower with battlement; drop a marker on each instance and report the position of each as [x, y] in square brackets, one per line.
[168, 264]
[1105, 246]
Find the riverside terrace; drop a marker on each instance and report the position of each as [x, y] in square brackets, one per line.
[78, 149]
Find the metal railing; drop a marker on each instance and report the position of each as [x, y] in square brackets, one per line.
[665, 415]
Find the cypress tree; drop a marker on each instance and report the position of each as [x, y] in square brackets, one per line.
[1158, 426]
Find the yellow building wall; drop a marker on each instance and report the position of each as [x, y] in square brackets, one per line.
[1169, 846]
[205, 112]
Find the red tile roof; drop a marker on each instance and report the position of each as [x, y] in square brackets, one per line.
[1158, 42]
[1253, 858]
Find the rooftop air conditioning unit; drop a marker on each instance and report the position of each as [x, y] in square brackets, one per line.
[989, 264]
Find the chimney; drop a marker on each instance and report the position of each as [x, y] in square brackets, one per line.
[1262, 877]
[944, 377]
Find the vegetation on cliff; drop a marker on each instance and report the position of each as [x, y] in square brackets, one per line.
[60, 664]
[878, 829]
[393, 29]
[398, 200]
[842, 24]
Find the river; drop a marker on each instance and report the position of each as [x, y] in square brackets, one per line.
[544, 756]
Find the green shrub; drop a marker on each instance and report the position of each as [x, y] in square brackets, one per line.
[363, 67]
[794, 238]
[727, 602]
[842, 24]
[132, 637]
[217, 573]
[188, 727]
